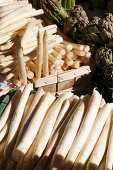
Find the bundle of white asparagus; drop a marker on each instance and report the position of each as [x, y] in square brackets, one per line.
[36, 51]
[45, 133]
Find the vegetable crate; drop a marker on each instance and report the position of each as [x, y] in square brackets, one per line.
[77, 80]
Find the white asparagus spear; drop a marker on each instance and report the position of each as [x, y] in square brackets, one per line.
[62, 115]
[5, 64]
[7, 46]
[7, 58]
[33, 127]
[69, 55]
[75, 46]
[5, 38]
[8, 112]
[60, 50]
[68, 62]
[17, 82]
[76, 64]
[45, 54]
[68, 136]
[30, 74]
[79, 53]
[85, 128]
[4, 12]
[12, 6]
[52, 44]
[19, 11]
[22, 17]
[67, 47]
[47, 126]
[14, 27]
[16, 119]
[39, 58]
[56, 55]
[93, 136]
[34, 105]
[54, 60]
[20, 61]
[4, 131]
[99, 150]
[86, 48]
[109, 156]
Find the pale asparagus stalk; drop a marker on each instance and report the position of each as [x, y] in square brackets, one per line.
[5, 38]
[6, 59]
[8, 112]
[2, 146]
[19, 11]
[68, 62]
[13, 6]
[55, 139]
[34, 106]
[55, 43]
[45, 54]
[47, 126]
[85, 129]
[67, 139]
[39, 58]
[14, 27]
[61, 62]
[30, 74]
[86, 48]
[20, 61]
[16, 82]
[51, 29]
[60, 50]
[79, 53]
[75, 46]
[11, 164]
[58, 67]
[67, 47]
[69, 55]
[56, 55]
[33, 127]
[4, 11]
[7, 46]
[22, 16]
[102, 103]
[16, 119]
[99, 150]
[5, 91]
[5, 64]
[68, 44]
[9, 76]
[109, 156]
[93, 136]
[88, 55]
[31, 66]
[76, 64]
[54, 60]
[63, 113]
[4, 131]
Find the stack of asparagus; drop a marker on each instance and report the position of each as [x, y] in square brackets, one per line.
[69, 132]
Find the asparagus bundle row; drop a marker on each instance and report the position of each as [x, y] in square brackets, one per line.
[52, 133]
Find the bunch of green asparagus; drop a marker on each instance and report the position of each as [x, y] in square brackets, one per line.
[68, 4]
